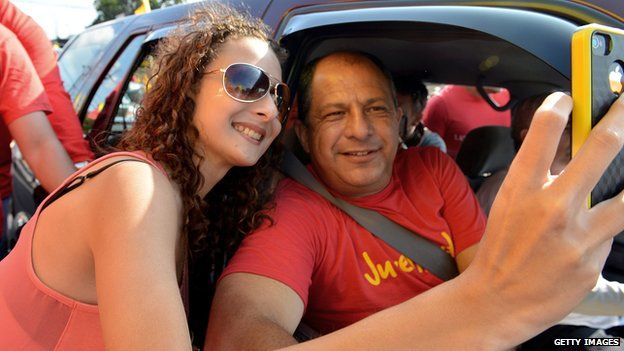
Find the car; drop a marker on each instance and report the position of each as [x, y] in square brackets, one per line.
[522, 46]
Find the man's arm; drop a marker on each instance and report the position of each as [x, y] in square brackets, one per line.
[41, 149]
[252, 312]
[465, 257]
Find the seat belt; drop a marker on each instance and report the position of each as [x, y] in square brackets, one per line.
[430, 255]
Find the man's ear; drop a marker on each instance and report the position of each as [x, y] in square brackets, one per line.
[399, 113]
[302, 134]
[402, 123]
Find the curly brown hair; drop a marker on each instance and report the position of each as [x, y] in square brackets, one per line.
[164, 130]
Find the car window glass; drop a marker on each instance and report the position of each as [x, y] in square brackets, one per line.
[75, 60]
[133, 95]
[110, 85]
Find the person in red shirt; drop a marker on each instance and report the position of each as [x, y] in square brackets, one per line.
[61, 114]
[457, 110]
[331, 271]
[63, 117]
[23, 108]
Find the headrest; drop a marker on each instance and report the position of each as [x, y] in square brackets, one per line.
[485, 150]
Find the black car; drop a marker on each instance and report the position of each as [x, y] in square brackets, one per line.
[523, 46]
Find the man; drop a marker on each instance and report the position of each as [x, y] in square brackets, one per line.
[23, 108]
[412, 97]
[315, 258]
[61, 115]
[459, 109]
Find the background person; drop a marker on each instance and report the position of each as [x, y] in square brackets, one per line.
[63, 117]
[23, 108]
[458, 109]
[61, 114]
[412, 97]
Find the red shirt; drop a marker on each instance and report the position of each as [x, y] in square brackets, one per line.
[63, 118]
[21, 93]
[340, 270]
[456, 111]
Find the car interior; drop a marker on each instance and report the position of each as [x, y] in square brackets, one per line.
[440, 54]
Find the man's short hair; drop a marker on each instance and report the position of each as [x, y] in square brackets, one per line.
[414, 88]
[522, 115]
[304, 88]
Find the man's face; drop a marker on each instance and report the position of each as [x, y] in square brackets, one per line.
[352, 130]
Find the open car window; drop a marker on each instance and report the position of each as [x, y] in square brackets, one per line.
[104, 97]
[132, 95]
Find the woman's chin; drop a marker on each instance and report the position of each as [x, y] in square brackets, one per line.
[247, 160]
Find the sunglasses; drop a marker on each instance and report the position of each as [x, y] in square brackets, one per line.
[245, 82]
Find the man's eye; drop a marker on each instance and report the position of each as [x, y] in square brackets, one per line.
[334, 114]
[377, 109]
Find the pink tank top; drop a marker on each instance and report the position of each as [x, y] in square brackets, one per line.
[36, 317]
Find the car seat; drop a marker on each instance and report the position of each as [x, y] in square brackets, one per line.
[484, 151]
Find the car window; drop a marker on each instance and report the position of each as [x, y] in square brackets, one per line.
[111, 83]
[132, 96]
[76, 58]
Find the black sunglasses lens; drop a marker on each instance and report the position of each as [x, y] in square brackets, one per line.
[245, 82]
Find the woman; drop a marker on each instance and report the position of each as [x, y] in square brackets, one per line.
[108, 273]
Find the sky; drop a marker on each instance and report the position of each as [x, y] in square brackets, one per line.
[59, 18]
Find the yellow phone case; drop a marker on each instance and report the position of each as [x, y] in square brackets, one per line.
[592, 97]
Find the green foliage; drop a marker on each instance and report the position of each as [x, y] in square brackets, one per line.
[111, 9]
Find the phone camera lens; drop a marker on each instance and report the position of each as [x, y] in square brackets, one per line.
[596, 42]
[600, 44]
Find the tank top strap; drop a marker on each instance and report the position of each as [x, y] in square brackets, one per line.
[75, 180]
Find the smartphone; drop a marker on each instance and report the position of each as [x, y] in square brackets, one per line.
[597, 80]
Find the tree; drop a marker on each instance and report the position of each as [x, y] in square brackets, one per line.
[111, 9]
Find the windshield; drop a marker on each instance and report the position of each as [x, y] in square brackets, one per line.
[76, 59]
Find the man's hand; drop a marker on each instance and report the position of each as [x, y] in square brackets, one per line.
[544, 249]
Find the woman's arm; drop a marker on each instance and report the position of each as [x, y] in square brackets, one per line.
[135, 242]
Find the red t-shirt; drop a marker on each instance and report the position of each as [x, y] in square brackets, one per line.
[340, 270]
[21, 93]
[456, 111]
[63, 118]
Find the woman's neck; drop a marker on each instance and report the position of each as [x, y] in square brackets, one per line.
[212, 173]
